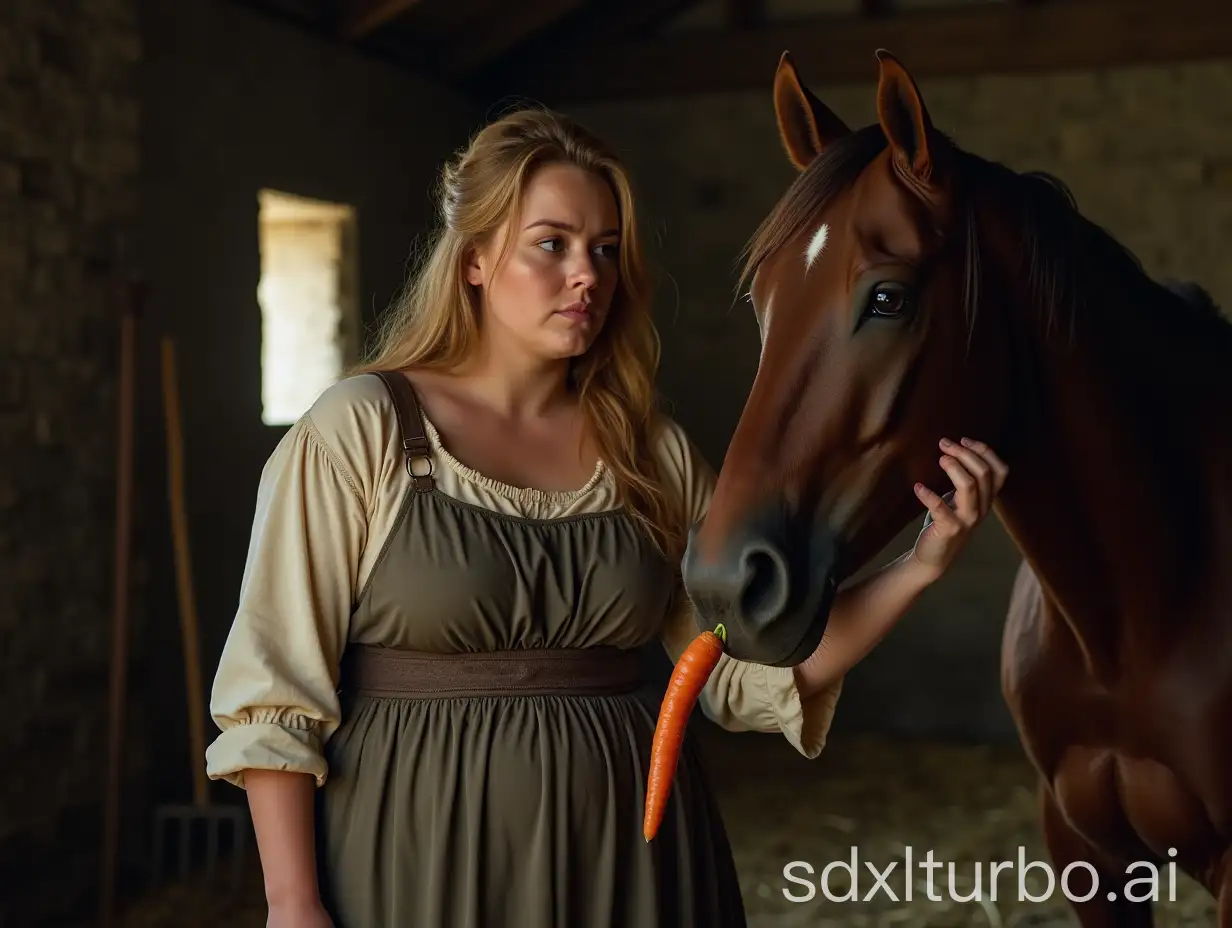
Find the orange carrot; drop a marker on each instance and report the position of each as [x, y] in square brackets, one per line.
[683, 689]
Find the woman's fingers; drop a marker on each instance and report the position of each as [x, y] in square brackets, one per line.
[979, 469]
[944, 518]
[968, 496]
[999, 468]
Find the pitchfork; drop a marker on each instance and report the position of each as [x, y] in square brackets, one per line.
[211, 818]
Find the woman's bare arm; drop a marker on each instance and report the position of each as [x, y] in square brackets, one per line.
[864, 613]
[282, 816]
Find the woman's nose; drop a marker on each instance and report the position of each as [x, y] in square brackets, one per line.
[583, 272]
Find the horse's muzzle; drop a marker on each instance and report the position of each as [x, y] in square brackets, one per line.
[771, 584]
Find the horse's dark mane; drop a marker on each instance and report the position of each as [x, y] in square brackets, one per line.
[830, 173]
[1067, 258]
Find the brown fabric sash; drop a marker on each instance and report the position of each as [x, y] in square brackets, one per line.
[370, 670]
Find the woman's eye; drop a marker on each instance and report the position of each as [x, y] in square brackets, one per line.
[555, 246]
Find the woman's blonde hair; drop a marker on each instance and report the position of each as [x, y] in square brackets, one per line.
[435, 323]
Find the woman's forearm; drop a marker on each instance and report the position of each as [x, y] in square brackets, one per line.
[282, 816]
[861, 616]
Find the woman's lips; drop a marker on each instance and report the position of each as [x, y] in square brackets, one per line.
[576, 311]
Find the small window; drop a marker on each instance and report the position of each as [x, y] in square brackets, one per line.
[307, 294]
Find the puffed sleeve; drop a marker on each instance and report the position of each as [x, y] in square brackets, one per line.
[739, 696]
[274, 694]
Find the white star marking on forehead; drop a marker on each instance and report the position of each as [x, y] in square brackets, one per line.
[816, 245]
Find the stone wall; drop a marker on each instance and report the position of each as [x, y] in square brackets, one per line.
[146, 129]
[69, 161]
[1148, 154]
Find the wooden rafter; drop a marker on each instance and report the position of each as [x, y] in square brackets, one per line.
[632, 18]
[359, 18]
[516, 21]
[595, 25]
[981, 39]
[744, 14]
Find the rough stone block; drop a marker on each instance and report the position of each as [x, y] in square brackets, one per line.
[68, 86]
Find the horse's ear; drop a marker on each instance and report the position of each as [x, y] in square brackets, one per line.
[906, 123]
[806, 125]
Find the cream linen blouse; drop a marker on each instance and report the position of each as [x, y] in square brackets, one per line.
[328, 497]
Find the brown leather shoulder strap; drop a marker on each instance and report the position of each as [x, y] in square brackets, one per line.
[415, 442]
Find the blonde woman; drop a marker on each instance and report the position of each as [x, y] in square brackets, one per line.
[430, 690]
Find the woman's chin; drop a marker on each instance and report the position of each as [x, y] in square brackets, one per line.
[565, 348]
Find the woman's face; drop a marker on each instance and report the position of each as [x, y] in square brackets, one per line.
[552, 294]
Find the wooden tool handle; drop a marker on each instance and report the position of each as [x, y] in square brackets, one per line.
[130, 299]
[183, 572]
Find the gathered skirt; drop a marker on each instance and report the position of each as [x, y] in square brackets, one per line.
[515, 812]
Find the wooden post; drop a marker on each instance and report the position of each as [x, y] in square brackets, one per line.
[131, 299]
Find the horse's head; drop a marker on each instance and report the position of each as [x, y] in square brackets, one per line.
[863, 284]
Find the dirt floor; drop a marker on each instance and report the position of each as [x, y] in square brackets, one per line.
[966, 804]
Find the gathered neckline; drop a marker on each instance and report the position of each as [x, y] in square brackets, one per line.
[508, 490]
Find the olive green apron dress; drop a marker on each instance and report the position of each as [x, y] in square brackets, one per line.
[491, 765]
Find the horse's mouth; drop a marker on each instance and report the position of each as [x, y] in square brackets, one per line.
[814, 632]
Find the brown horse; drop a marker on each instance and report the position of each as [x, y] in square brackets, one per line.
[907, 290]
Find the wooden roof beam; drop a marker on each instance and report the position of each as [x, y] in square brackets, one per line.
[595, 25]
[359, 18]
[1023, 37]
[745, 14]
[517, 21]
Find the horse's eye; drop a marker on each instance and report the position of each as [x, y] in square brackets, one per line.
[889, 301]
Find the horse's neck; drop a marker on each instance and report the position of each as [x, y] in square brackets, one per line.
[1121, 482]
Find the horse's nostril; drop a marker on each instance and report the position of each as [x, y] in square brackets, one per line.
[764, 595]
[770, 582]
